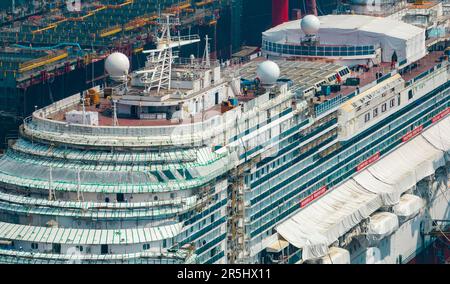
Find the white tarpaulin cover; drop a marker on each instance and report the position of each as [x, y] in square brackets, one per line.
[408, 207]
[337, 256]
[435, 136]
[381, 225]
[408, 164]
[389, 193]
[320, 224]
[344, 30]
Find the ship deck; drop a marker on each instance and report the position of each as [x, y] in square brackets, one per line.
[417, 68]
[105, 118]
[366, 78]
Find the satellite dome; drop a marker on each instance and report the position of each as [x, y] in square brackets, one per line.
[268, 72]
[310, 24]
[117, 65]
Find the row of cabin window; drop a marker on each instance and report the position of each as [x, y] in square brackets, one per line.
[120, 197]
[80, 248]
[374, 112]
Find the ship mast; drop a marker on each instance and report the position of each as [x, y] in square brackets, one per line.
[158, 73]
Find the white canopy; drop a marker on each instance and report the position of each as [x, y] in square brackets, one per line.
[408, 207]
[409, 164]
[381, 225]
[337, 256]
[391, 35]
[317, 226]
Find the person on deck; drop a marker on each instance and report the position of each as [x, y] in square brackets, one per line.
[394, 59]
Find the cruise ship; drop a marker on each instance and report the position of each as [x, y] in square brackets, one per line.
[314, 151]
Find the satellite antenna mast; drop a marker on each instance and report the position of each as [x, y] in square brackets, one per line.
[83, 106]
[115, 120]
[206, 57]
[158, 74]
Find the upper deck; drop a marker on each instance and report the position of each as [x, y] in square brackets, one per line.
[219, 120]
[368, 78]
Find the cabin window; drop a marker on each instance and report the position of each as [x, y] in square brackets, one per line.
[120, 197]
[375, 112]
[56, 248]
[367, 117]
[216, 101]
[392, 103]
[34, 246]
[146, 247]
[410, 94]
[104, 249]
[155, 198]
[383, 107]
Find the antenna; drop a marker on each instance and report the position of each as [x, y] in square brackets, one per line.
[79, 193]
[83, 106]
[206, 57]
[159, 72]
[115, 120]
[93, 65]
[51, 193]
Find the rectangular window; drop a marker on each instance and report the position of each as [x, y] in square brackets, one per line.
[410, 94]
[383, 107]
[216, 98]
[104, 249]
[392, 103]
[56, 248]
[398, 100]
[375, 112]
[367, 117]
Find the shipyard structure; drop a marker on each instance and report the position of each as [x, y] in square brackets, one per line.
[287, 160]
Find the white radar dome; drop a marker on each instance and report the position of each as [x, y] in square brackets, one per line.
[268, 72]
[117, 65]
[310, 24]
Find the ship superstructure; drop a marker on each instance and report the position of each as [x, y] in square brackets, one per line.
[47, 45]
[189, 160]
